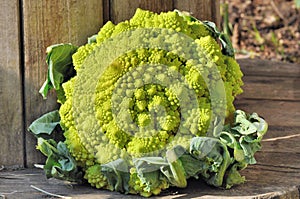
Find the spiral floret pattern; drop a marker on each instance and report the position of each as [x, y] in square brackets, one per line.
[145, 86]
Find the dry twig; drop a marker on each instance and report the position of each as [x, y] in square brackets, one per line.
[48, 193]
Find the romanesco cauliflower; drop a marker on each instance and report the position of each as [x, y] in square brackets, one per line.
[152, 109]
[146, 99]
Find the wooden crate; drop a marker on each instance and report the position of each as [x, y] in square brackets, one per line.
[27, 27]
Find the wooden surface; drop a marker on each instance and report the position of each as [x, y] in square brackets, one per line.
[201, 9]
[28, 27]
[47, 23]
[276, 175]
[11, 116]
[121, 10]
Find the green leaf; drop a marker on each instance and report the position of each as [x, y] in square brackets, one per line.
[245, 128]
[242, 125]
[229, 139]
[148, 170]
[215, 154]
[249, 149]
[175, 172]
[186, 15]
[260, 123]
[191, 165]
[67, 163]
[45, 88]
[227, 48]
[92, 39]
[149, 164]
[233, 175]
[47, 147]
[60, 66]
[248, 131]
[218, 127]
[45, 124]
[117, 174]
[149, 175]
[59, 164]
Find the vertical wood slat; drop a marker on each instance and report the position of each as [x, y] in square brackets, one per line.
[121, 10]
[201, 9]
[11, 114]
[47, 23]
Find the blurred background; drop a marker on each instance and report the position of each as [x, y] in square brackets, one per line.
[268, 29]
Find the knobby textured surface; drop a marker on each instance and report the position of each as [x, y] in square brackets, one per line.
[272, 89]
[28, 27]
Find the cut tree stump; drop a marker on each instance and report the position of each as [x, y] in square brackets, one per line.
[272, 89]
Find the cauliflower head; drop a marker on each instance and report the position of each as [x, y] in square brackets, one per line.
[137, 115]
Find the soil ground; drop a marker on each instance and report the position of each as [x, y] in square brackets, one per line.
[267, 29]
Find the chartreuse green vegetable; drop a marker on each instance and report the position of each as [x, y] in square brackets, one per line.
[60, 164]
[143, 106]
[60, 68]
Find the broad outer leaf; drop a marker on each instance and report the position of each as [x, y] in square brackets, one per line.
[45, 124]
[60, 66]
[59, 164]
[175, 171]
[213, 152]
[117, 175]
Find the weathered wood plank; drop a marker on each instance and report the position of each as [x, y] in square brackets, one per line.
[289, 143]
[275, 88]
[282, 139]
[257, 67]
[11, 118]
[47, 23]
[276, 160]
[121, 10]
[263, 181]
[276, 175]
[276, 113]
[203, 10]
[282, 131]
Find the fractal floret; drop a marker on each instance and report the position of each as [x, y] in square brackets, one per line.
[146, 104]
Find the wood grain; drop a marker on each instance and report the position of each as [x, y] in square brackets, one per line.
[276, 175]
[264, 180]
[273, 88]
[11, 118]
[121, 10]
[257, 67]
[47, 23]
[201, 9]
[277, 113]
